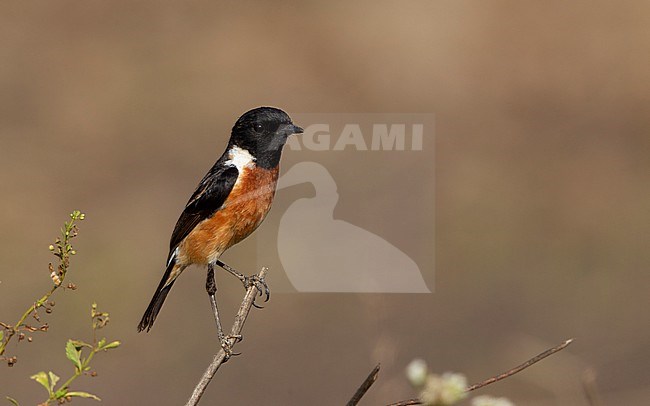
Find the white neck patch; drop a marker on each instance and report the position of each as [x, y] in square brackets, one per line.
[240, 158]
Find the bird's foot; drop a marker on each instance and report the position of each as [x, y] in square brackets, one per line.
[227, 342]
[248, 281]
[259, 284]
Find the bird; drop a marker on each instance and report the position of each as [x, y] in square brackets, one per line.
[229, 203]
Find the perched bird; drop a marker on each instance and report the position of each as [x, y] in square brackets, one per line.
[229, 203]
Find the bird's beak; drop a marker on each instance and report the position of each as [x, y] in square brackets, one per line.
[292, 129]
[295, 129]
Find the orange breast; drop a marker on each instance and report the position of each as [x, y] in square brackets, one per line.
[242, 212]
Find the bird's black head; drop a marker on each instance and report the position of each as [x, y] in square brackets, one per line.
[263, 132]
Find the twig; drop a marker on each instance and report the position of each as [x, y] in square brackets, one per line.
[499, 377]
[63, 250]
[222, 356]
[372, 377]
[409, 402]
[521, 367]
[12, 330]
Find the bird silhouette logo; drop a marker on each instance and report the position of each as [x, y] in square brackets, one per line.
[331, 255]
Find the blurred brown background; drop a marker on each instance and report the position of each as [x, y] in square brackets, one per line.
[541, 177]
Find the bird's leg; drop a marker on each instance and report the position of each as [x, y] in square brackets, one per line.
[248, 281]
[211, 288]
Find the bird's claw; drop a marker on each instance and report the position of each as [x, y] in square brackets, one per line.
[227, 342]
[259, 284]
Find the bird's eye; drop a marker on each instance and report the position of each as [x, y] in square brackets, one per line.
[258, 127]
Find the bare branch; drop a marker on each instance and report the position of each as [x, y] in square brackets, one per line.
[372, 377]
[222, 356]
[521, 367]
[499, 377]
[407, 402]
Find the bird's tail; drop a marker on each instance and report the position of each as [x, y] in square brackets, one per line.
[159, 296]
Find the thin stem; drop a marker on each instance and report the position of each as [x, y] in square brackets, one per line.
[372, 377]
[63, 254]
[13, 329]
[223, 355]
[521, 367]
[499, 377]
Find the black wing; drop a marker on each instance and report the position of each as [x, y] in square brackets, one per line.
[209, 196]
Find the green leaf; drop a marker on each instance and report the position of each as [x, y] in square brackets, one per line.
[12, 400]
[53, 380]
[2, 334]
[114, 344]
[101, 343]
[73, 354]
[41, 378]
[83, 395]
